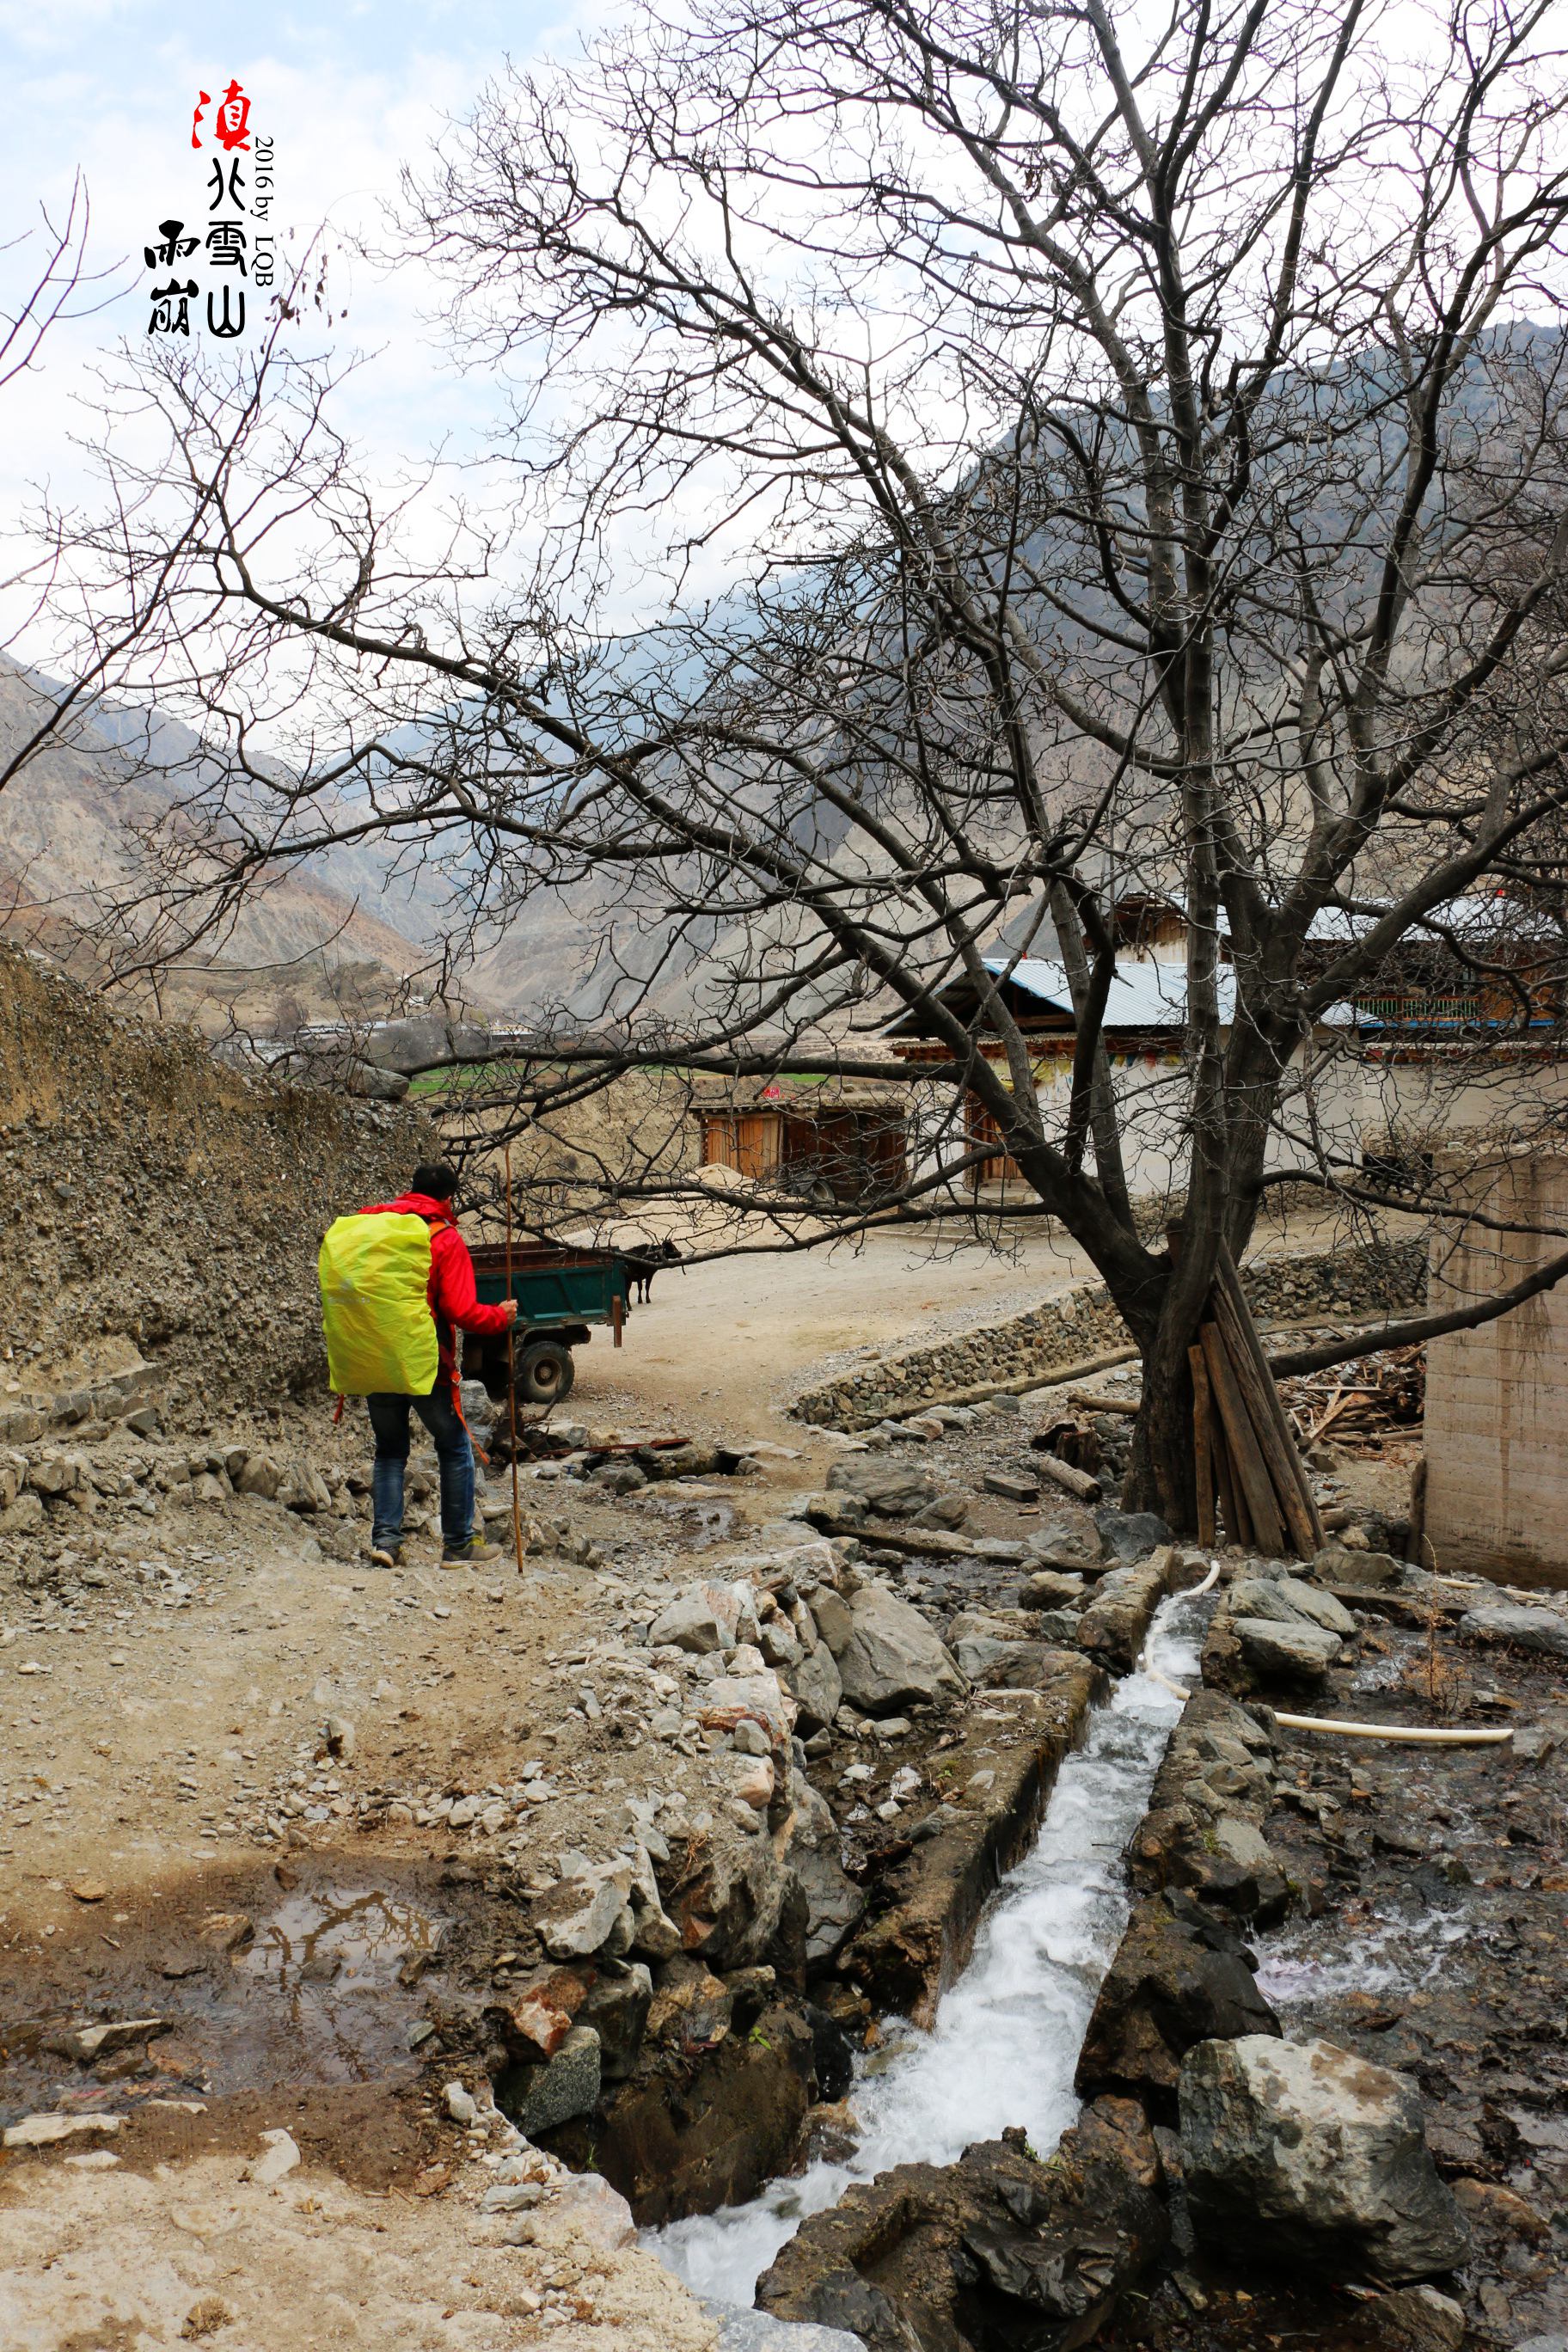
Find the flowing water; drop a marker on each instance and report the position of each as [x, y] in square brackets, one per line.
[1006, 2038]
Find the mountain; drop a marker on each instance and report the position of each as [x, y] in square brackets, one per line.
[73, 868]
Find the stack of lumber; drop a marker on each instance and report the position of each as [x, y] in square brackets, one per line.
[1358, 1405]
[1247, 1463]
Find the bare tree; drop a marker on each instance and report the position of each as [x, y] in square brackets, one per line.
[1054, 458]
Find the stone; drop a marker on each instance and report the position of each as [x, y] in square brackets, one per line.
[259, 1475]
[892, 1660]
[1340, 1564]
[542, 2013]
[1066, 1544]
[279, 2157]
[1112, 1627]
[45, 2131]
[617, 2007]
[948, 1511]
[1174, 1982]
[587, 2208]
[1291, 1602]
[1419, 2318]
[57, 1474]
[894, 1490]
[1047, 1588]
[759, 2331]
[997, 2249]
[25, 1517]
[691, 2009]
[815, 1684]
[835, 1906]
[705, 1618]
[91, 2043]
[536, 2098]
[1315, 2158]
[759, 1698]
[577, 1917]
[460, 2104]
[754, 1784]
[1128, 1535]
[1545, 1631]
[1285, 1652]
[982, 1658]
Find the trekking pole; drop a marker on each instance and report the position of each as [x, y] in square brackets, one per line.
[511, 1376]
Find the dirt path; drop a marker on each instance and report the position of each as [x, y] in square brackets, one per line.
[730, 1342]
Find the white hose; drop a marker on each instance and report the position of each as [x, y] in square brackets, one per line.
[1414, 1734]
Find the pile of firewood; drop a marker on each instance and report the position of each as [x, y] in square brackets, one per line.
[1359, 1405]
[1247, 1468]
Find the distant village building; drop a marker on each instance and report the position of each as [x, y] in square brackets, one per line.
[831, 1138]
[1382, 1079]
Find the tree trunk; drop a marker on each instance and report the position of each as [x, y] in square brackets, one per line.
[1161, 1474]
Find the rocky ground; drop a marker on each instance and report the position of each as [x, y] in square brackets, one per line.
[342, 1907]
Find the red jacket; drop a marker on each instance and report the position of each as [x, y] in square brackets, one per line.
[451, 1289]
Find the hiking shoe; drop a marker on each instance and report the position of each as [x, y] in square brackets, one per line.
[474, 1552]
[386, 1555]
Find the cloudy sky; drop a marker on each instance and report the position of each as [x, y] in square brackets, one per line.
[348, 94]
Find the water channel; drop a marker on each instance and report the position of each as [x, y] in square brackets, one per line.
[1006, 2038]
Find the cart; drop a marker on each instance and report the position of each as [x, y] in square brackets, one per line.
[560, 1293]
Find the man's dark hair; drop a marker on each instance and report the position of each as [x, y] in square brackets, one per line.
[434, 1180]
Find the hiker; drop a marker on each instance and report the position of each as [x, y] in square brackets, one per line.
[394, 1297]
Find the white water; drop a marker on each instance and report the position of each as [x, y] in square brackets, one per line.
[1005, 2042]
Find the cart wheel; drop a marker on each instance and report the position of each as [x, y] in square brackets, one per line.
[545, 1373]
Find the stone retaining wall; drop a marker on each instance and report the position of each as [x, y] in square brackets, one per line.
[1084, 1322]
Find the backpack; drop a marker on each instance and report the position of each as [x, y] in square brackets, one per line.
[374, 1273]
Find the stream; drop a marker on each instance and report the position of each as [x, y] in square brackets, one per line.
[1005, 2041]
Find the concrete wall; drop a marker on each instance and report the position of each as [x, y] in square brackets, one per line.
[1497, 1398]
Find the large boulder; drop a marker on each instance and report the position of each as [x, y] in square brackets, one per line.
[1126, 1536]
[815, 1684]
[1175, 1981]
[1314, 2158]
[1112, 1627]
[1543, 1629]
[1069, 1545]
[997, 2250]
[1288, 1602]
[1285, 1652]
[891, 1488]
[1341, 1564]
[891, 1660]
[706, 1617]
[536, 2098]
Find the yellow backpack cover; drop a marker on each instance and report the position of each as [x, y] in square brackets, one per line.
[375, 1274]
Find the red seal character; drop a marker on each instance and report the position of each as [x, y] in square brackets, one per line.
[230, 123]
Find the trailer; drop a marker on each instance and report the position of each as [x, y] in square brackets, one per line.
[560, 1294]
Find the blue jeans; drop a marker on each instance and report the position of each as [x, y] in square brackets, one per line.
[454, 1459]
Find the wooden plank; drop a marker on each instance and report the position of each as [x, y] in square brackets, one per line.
[1286, 1465]
[1202, 1446]
[1237, 1525]
[1248, 1469]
